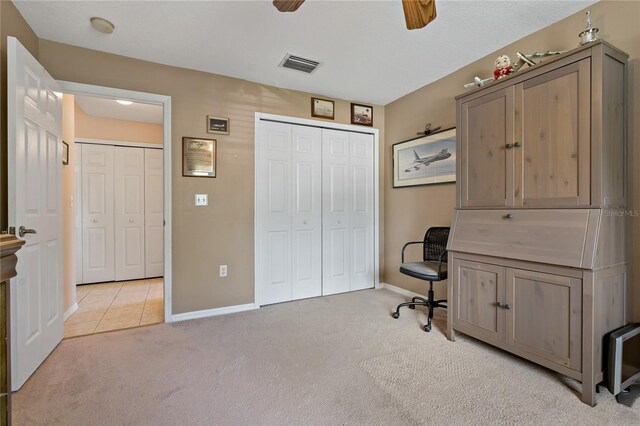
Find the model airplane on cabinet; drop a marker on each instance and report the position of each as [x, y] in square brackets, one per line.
[419, 161]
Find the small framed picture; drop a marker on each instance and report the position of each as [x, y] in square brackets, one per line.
[65, 153]
[198, 157]
[322, 108]
[362, 114]
[218, 125]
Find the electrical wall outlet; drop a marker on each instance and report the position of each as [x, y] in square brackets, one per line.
[202, 199]
[223, 270]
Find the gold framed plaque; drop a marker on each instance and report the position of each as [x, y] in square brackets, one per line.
[198, 157]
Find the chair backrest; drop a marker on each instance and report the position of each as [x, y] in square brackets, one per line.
[435, 242]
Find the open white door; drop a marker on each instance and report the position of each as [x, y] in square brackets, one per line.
[34, 179]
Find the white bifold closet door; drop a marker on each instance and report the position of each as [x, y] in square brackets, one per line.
[129, 213]
[154, 212]
[290, 212]
[97, 213]
[347, 211]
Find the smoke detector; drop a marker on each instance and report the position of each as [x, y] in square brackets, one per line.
[101, 25]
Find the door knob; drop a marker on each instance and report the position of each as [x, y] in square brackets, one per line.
[22, 231]
[304, 222]
[95, 220]
[339, 221]
[130, 220]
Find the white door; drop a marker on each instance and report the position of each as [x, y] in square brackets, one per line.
[77, 174]
[34, 186]
[97, 214]
[274, 210]
[153, 213]
[335, 211]
[306, 212]
[129, 200]
[361, 217]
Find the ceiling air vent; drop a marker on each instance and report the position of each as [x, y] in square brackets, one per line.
[299, 64]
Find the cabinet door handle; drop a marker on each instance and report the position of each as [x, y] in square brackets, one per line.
[508, 146]
[508, 216]
[517, 145]
[503, 305]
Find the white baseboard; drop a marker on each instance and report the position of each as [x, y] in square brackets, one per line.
[401, 291]
[72, 310]
[213, 312]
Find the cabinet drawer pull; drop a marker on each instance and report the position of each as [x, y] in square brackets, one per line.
[508, 216]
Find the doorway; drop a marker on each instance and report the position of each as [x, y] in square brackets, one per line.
[117, 287]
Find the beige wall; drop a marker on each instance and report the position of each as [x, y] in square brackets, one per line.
[88, 126]
[221, 233]
[68, 205]
[409, 211]
[11, 24]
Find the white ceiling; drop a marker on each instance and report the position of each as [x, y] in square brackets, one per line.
[365, 50]
[109, 108]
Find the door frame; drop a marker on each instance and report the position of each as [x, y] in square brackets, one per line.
[73, 88]
[257, 226]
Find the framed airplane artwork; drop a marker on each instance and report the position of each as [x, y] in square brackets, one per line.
[425, 160]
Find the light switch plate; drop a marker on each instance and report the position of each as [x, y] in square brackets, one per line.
[202, 200]
[223, 270]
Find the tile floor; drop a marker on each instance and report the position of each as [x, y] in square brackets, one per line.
[116, 305]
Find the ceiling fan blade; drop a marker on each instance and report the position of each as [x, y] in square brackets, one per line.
[287, 5]
[418, 13]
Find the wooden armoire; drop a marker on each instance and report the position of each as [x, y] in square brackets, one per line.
[537, 262]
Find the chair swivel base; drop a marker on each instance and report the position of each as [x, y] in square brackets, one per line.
[419, 301]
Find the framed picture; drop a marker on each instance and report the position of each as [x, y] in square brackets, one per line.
[322, 108]
[198, 157]
[65, 153]
[362, 114]
[218, 125]
[425, 160]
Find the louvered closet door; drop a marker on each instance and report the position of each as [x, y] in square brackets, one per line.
[306, 217]
[97, 214]
[335, 212]
[274, 210]
[153, 212]
[361, 220]
[129, 213]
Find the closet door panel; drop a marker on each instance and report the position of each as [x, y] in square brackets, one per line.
[77, 174]
[335, 212]
[97, 213]
[274, 212]
[306, 218]
[153, 212]
[361, 211]
[129, 213]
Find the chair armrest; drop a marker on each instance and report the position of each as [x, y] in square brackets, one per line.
[444, 252]
[408, 244]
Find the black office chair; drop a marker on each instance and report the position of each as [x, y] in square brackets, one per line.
[432, 268]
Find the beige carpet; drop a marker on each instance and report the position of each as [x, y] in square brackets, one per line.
[332, 360]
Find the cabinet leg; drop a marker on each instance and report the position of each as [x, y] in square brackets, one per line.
[451, 334]
[589, 394]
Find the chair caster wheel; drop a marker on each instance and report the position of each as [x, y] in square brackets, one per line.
[395, 315]
[427, 328]
[412, 306]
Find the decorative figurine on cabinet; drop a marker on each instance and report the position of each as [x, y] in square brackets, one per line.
[503, 67]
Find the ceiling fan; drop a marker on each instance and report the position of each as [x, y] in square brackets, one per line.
[417, 13]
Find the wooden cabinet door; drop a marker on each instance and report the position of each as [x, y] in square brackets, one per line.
[552, 144]
[477, 289]
[486, 131]
[544, 316]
